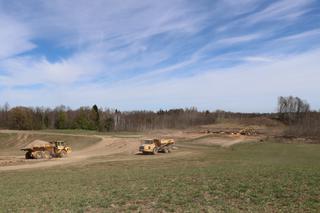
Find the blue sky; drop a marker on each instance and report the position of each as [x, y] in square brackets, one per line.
[143, 54]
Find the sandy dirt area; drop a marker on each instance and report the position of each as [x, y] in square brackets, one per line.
[225, 141]
[109, 146]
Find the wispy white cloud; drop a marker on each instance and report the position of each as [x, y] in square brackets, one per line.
[27, 70]
[303, 35]
[281, 10]
[79, 23]
[134, 54]
[258, 59]
[242, 88]
[236, 8]
[239, 39]
[14, 36]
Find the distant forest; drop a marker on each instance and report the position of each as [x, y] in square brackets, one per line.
[292, 111]
[94, 118]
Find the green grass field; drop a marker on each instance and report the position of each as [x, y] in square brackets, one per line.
[253, 177]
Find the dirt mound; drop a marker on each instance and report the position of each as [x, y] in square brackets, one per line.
[37, 143]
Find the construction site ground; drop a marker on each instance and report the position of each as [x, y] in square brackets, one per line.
[213, 168]
[86, 147]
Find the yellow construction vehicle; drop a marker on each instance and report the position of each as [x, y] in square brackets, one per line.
[45, 150]
[153, 146]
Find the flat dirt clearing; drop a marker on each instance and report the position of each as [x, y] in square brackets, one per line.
[91, 146]
[223, 141]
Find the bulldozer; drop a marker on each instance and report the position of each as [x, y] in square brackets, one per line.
[45, 150]
[153, 146]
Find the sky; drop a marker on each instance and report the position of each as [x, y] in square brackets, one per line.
[143, 54]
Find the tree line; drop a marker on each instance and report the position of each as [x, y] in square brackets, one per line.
[292, 111]
[94, 118]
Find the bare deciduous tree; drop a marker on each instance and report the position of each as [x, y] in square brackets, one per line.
[292, 109]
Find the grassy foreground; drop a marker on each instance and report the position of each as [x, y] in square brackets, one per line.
[256, 177]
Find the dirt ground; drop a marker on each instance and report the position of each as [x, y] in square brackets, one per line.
[226, 141]
[113, 147]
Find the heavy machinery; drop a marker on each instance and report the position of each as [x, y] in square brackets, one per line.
[153, 146]
[45, 150]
